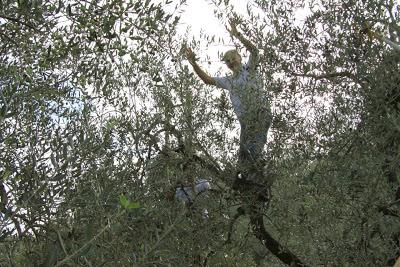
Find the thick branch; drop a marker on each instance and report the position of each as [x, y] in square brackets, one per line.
[282, 253]
[7, 211]
[327, 76]
[3, 197]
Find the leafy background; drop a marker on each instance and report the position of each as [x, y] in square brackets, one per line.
[100, 118]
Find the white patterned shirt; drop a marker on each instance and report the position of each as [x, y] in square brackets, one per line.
[246, 93]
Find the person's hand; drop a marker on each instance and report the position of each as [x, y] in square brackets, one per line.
[233, 29]
[190, 55]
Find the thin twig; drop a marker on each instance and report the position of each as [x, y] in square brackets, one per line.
[165, 234]
[62, 243]
[19, 22]
[9, 38]
[76, 252]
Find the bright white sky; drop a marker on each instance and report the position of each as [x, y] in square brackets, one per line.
[198, 17]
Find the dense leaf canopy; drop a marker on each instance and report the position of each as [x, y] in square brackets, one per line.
[101, 119]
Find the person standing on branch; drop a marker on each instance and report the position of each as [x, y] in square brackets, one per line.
[249, 102]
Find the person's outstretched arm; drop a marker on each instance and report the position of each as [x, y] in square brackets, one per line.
[253, 62]
[191, 57]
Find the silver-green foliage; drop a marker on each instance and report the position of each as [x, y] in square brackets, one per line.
[100, 119]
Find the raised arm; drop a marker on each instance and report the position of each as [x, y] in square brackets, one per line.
[253, 62]
[191, 57]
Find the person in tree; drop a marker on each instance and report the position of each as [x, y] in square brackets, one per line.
[249, 102]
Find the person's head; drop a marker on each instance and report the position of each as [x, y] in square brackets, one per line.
[233, 60]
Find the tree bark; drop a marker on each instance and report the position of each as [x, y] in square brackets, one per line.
[282, 253]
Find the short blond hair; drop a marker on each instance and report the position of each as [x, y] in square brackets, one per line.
[230, 54]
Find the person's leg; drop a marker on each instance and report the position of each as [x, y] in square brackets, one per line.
[252, 183]
[245, 155]
[253, 137]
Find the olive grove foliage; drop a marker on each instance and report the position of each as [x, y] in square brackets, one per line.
[100, 119]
